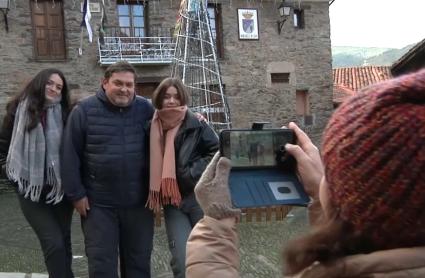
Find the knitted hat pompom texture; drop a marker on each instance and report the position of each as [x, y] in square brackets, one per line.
[374, 156]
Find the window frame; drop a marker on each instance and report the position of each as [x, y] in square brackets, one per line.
[218, 27]
[280, 77]
[50, 57]
[302, 103]
[303, 108]
[299, 22]
[130, 4]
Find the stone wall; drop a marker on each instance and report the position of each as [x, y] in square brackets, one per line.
[246, 65]
[83, 72]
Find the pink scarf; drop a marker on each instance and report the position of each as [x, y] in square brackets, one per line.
[163, 187]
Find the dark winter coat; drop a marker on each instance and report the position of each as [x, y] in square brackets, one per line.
[195, 145]
[104, 154]
[5, 137]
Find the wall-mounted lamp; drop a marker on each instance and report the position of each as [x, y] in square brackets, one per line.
[4, 7]
[284, 12]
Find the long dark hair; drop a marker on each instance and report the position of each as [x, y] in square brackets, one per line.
[34, 91]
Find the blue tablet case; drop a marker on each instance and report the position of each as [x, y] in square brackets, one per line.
[265, 187]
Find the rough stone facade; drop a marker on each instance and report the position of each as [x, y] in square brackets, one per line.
[246, 65]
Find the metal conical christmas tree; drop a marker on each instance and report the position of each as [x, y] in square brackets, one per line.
[197, 66]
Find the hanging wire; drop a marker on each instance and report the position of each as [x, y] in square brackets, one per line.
[53, 4]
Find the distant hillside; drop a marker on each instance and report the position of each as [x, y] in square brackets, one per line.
[388, 57]
[346, 56]
[359, 51]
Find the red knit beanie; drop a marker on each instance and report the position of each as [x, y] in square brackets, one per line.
[374, 156]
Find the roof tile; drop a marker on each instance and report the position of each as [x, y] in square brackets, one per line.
[349, 80]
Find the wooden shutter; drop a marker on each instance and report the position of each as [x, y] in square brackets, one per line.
[48, 30]
[146, 89]
[219, 30]
[214, 11]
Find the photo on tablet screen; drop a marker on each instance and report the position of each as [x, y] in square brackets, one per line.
[256, 149]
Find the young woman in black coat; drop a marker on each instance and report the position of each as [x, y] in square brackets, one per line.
[181, 146]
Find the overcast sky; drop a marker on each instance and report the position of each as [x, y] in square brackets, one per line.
[380, 23]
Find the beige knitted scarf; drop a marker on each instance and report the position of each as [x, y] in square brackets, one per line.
[163, 187]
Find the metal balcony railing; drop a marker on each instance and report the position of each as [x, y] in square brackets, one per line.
[157, 48]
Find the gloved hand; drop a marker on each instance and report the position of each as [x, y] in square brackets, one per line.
[212, 189]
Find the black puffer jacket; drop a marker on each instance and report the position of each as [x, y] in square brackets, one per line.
[104, 155]
[5, 137]
[195, 145]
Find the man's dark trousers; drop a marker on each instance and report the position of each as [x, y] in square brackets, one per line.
[112, 231]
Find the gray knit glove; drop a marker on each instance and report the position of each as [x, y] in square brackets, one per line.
[212, 189]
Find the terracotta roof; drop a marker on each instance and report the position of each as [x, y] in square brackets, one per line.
[341, 92]
[347, 81]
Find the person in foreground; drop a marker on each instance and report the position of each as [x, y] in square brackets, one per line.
[105, 174]
[181, 146]
[30, 140]
[367, 198]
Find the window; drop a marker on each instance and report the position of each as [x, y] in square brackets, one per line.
[303, 108]
[279, 77]
[299, 18]
[131, 18]
[146, 89]
[214, 13]
[302, 102]
[48, 30]
[216, 112]
[146, 85]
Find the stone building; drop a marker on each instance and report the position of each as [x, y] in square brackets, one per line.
[283, 74]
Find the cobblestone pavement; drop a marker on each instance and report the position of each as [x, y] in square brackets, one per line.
[260, 245]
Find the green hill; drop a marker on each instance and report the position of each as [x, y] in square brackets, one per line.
[347, 56]
[388, 57]
[365, 52]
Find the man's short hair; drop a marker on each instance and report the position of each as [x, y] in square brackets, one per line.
[121, 66]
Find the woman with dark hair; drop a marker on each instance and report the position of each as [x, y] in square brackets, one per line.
[368, 195]
[30, 140]
[181, 147]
